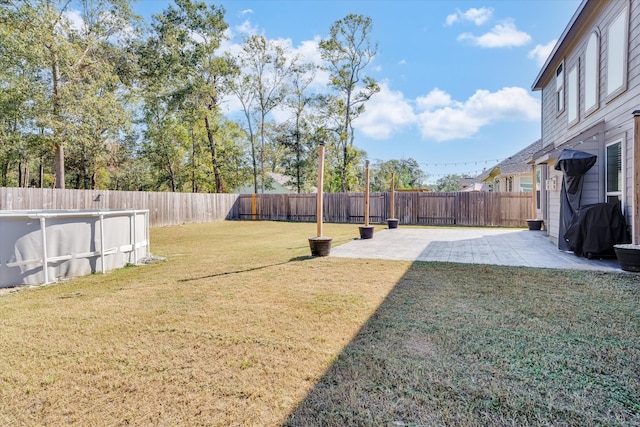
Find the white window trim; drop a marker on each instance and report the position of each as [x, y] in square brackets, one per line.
[559, 94]
[539, 190]
[595, 84]
[614, 92]
[619, 139]
[572, 93]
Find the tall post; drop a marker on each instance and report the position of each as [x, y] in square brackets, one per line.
[635, 213]
[320, 245]
[319, 195]
[393, 195]
[366, 195]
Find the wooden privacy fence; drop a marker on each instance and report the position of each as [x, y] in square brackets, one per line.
[456, 208]
[164, 208]
[459, 208]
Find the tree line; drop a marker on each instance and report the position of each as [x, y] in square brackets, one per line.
[92, 97]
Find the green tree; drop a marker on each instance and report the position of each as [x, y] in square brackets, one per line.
[72, 58]
[260, 88]
[298, 134]
[183, 80]
[165, 148]
[23, 89]
[449, 183]
[408, 175]
[347, 53]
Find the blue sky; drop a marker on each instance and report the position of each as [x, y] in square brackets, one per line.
[455, 75]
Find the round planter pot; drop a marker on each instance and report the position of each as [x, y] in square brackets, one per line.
[320, 246]
[628, 257]
[366, 232]
[534, 224]
[392, 222]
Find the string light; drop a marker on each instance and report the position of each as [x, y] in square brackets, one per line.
[445, 164]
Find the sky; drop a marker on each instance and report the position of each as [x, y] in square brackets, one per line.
[455, 76]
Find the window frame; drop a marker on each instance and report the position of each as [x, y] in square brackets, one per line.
[620, 193]
[573, 94]
[538, 174]
[623, 16]
[592, 74]
[559, 92]
[525, 184]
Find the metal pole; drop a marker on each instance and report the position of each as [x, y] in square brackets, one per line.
[320, 187]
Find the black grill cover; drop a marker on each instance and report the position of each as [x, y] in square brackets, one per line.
[594, 229]
[573, 164]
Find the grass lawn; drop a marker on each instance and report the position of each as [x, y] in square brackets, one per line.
[239, 326]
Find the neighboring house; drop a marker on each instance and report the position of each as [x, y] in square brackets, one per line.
[590, 88]
[277, 183]
[514, 174]
[475, 186]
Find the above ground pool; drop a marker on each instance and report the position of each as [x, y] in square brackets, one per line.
[43, 246]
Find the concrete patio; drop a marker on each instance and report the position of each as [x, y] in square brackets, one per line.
[497, 246]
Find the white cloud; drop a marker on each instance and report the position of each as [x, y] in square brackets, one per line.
[76, 22]
[477, 16]
[246, 12]
[246, 28]
[443, 121]
[502, 35]
[435, 98]
[541, 52]
[386, 113]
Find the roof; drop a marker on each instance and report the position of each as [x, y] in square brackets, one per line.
[574, 27]
[517, 164]
[552, 151]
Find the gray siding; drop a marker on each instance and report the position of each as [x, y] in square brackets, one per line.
[616, 112]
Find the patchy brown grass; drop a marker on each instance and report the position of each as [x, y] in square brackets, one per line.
[239, 326]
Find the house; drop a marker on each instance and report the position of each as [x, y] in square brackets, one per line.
[590, 88]
[513, 174]
[475, 186]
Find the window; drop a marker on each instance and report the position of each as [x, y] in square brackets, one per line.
[613, 172]
[538, 189]
[572, 95]
[591, 73]
[526, 185]
[560, 88]
[616, 54]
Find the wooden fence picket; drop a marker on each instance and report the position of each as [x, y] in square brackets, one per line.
[420, 208]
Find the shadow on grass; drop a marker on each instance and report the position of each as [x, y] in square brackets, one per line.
[246, 270]
[479, 345]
